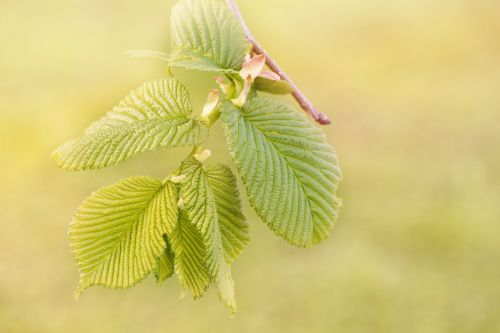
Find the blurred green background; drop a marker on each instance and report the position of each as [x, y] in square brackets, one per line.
[413, 89]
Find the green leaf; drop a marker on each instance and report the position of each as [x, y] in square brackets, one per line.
[170, 213]
[201, 206]
[291, 173]
[190, 254]
[207, 36]
[154, 116]
[117, 233]
[165, 264]
[277, 87]
[232, 222]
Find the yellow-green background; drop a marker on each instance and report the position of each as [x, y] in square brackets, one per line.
[413, 90]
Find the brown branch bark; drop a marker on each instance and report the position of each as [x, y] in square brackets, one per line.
[303, 101]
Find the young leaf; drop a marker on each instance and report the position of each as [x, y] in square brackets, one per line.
[190, 254]
[165, 264]
[185, 251]
[156, 115]
[290, 172]
[232, 222]
[117, 233]
[200, 203]
[207, 37]
[277, 87]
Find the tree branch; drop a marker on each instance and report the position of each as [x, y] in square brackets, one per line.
[304, 103]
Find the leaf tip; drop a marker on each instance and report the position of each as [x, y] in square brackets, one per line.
[59, 160]
[242, 98]
[80, 289]
[210, 109]
[253, 67]
[181, 204]
[233, 311]
[203, 156]
[182, 294]
[230, 304]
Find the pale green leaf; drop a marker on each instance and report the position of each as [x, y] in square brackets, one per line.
[169, 215]
[117, 233]
[291, 173]
[200, 203]
[232, 222]
[207, 36]
[170, 197]
[156, 115]
[189, 256]
[277, 87]
[165, 264]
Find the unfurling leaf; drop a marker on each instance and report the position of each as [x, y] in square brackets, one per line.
[154, 116]
[253, 67]
[272, 86]
[210, 112]
[204, 204]
[290, 172]
[232, 222]
[245, 92]
[190, 255]
[117, 233]
[165, 264]
[207, 37]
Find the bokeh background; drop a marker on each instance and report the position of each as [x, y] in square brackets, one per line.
[413, 89]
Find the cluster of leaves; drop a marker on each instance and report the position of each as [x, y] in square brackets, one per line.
[192, 223]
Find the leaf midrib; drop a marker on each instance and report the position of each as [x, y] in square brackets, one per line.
[242, 114]
[138, 126]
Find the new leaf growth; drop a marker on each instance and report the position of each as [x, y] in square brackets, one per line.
[191, 224]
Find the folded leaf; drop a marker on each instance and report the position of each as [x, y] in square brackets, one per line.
[169, 215]
[201, 206]
[117, 233]
[207, 37]
[190, 255]
[232, 222]
[165, 264]
[277, 87]
[290, 172]
[156, 115]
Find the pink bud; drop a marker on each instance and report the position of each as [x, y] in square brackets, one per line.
[270, 76]
[242, 98]
[253, 67]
